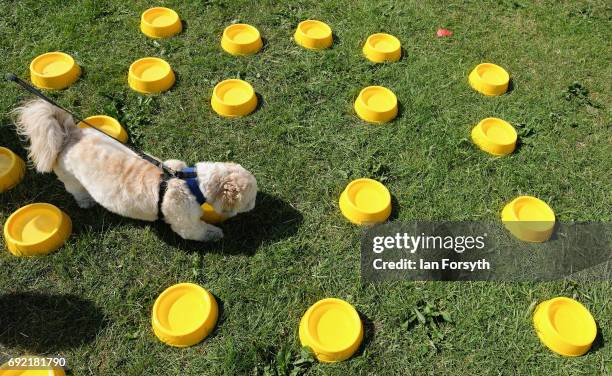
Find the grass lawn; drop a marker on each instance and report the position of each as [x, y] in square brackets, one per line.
[91, 300]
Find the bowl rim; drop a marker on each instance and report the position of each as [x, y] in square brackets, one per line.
[242, 83]
[25, 208]
[35, 72]
[376, 88]
[498, 122]
[494, 66]
[144, 20]
[371, 182]
[116, 127]
[13, 161]
[326, 27]
[531, 199]
[102, 116]
[344, 306]
[385, 36]
[206, 296]
[251, 28]
[157, 60]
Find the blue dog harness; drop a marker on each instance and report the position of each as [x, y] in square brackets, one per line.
[191, 178]
[189, 175]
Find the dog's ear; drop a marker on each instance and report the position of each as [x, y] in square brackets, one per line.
[229, 194]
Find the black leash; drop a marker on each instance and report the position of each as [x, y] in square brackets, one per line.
[168, 172]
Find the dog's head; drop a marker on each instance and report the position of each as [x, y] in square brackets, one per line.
[228, 187]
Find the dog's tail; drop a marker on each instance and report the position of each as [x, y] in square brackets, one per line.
[48, 128]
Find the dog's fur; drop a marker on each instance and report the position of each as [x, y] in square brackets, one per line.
[97, 168]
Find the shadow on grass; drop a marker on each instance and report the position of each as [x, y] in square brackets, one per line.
[403, 54]
[10, 140]
[518, 146]
[336, 40]
[260, 102]
[271, 220]
[368, 334]
[599, 342]
[220, 319]
[265, 44]
[510, 86]
[43, 323]
[395, 209]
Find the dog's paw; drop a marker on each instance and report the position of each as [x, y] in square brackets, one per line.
[213, 233]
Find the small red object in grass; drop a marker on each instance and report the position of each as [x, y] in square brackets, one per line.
[444, 33]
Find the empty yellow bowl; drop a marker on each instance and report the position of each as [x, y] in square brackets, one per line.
[382, 47]
[108, 125]
[150, 75]
[376, 104]
[241, 39]
[184, 314]
[529, 219]
[233, 98]
[565, 326]
[12, 169]
[495, 136]
[54, 71]
[30, 366]
[209, 215]
[489, 79]
[36, 229]
[313, 34]
[160, 22]
[365, 201]
[332, 329]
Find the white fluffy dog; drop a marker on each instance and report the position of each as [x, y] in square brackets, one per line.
[97, 168]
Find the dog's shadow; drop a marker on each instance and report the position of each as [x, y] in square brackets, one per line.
[9, 139]
[272, 219]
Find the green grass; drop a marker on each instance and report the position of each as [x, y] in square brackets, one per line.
[91, 300]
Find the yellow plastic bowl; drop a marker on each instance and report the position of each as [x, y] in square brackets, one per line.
[36, 229]
[12, 169]
[332, 329]
[209, 215]
[232, 98]
[54, 71]
[11, 370]
[241, 39]
[313, 34]
[376, 104]
[495, 136]
[365, 201]
[184, 314]
[108, 125]
[382, 47]
[565, 326]
[160, 22]
[150, 75]
[489, 79]
[529, 219]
